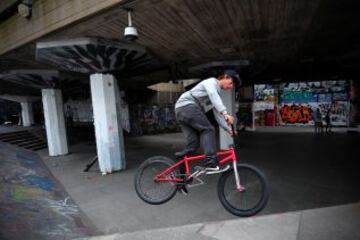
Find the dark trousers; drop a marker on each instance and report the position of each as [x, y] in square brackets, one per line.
[195, 125]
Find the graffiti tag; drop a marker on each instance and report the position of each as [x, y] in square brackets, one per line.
[296, 114]
[297, 96]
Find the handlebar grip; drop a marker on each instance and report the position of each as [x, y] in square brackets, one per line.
[232, 136]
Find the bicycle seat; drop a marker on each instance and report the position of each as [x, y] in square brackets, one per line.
[182, 154]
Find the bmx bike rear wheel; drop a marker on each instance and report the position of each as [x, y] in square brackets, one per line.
[150, 190]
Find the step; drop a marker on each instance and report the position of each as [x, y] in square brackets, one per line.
[10, 133]
[39, 147]
[19, 140]
[29, 144]
[14, 137]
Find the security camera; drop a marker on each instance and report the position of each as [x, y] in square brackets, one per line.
[24, 8]
[130, 32]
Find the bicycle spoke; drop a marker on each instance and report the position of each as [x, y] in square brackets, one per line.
[150, 190]
[249, 197]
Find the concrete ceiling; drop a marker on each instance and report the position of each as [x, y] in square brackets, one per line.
[287, 39]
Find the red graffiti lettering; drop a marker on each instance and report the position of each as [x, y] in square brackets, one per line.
[295, 114]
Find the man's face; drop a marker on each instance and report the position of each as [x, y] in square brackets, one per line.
[227, 82]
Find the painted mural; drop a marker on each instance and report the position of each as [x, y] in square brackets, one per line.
[152, 119]
[265, 105]
[295, 103]
[291, 114]
[265, 92]
[298, 101]
[33, 205]
[137, 120]
[81, 111]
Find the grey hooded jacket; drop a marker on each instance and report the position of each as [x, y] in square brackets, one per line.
[206, 95]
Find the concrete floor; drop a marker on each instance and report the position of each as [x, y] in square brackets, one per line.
[304, 171]
[330, 223]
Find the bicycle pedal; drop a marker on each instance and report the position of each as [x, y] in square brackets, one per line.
[199, 168]
[189, 180]
[183, 190]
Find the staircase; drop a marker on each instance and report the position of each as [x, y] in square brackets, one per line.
[24, 139]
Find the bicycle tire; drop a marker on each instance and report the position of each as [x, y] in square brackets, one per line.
[144, 183]
[259, 199]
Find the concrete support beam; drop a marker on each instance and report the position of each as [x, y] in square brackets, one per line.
[27, 114]
[54, 122]
[19, 99]
[47, 16]
[109, 136]
[228, 98]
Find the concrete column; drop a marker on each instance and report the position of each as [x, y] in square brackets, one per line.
[228, 98]
[54, 122]
[109, 136]
[27, 114]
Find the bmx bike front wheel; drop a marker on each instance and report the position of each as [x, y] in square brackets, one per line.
[251, 198]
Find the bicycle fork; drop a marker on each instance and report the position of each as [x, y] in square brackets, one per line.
[237, 178]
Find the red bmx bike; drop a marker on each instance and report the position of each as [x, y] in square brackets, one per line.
[242, 189]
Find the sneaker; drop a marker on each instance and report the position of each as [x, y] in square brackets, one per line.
[211, 164]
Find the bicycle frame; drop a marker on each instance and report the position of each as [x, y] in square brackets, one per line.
[225, 157]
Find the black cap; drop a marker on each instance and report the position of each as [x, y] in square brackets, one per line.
[234, 75]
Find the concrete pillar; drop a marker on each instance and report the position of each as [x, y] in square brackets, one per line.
[108, 131]
[228, 98]
[27, 114]
[54, 122]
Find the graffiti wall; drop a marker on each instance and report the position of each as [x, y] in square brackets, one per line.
[152, 119]
[296, 113]
[298, 102]
[81, 111]
[265, 105]
[265, 92]
[295, 103]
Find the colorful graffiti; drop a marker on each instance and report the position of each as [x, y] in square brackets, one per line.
[304, 92]
[81, 111]
[339, 112]
[296, 114]
[298, 96]
[152, 119]
[299, 100]
[33, 205]
[264, 92]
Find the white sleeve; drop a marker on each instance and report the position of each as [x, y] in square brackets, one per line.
[214, 96]
[221, 120]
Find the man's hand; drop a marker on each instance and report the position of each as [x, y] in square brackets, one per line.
[229, 119]
[232, 133]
